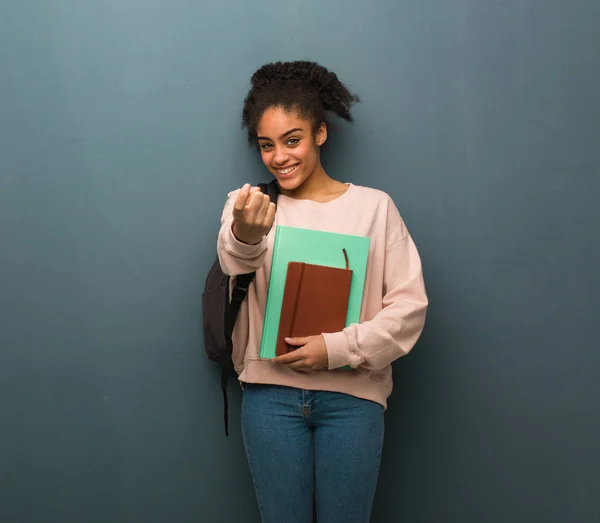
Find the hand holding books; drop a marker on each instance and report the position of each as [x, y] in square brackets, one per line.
[311, 354]
[253, 215]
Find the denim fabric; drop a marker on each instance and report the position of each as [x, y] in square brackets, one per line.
[303, 445]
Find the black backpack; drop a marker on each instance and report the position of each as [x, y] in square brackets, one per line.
[219, 313]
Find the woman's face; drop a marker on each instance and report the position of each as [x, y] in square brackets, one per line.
[288, 146]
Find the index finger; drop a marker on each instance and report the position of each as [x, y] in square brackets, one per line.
[299, 341]
[290, 357]
[240, 201]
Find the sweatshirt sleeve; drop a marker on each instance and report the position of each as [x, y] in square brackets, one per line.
[236, 257]
[392, 332]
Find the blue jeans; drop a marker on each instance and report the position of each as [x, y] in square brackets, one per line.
[311, 445]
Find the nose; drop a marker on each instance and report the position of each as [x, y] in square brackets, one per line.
[281, 156]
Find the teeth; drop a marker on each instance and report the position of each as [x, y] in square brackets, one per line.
[288, 170]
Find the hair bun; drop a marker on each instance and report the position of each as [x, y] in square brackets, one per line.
[303, 84]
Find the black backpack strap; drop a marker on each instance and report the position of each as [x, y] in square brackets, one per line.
[272, 189]
[225, 371]
[238, 295]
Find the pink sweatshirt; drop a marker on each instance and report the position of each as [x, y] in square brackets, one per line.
[394, 299]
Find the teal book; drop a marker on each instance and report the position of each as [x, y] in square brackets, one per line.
[314, 247]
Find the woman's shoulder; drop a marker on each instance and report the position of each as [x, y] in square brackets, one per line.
[371, 195]
[380, 204]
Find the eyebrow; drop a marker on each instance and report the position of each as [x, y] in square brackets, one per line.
[283, 135]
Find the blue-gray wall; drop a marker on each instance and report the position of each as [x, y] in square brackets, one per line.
[119, 137]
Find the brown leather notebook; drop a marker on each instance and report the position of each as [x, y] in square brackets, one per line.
[315, 300]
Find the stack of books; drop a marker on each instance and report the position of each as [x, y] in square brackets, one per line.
[316, 285]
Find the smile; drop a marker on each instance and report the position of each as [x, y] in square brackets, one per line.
[288, 170]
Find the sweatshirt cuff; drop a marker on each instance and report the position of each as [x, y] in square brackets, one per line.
[339, 353]
[243, 250]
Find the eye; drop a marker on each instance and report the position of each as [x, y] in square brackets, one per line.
[266, 146]
[293, 141]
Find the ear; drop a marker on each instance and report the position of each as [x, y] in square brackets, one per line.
[321, 134]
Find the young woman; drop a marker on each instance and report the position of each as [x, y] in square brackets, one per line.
[311, 431]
